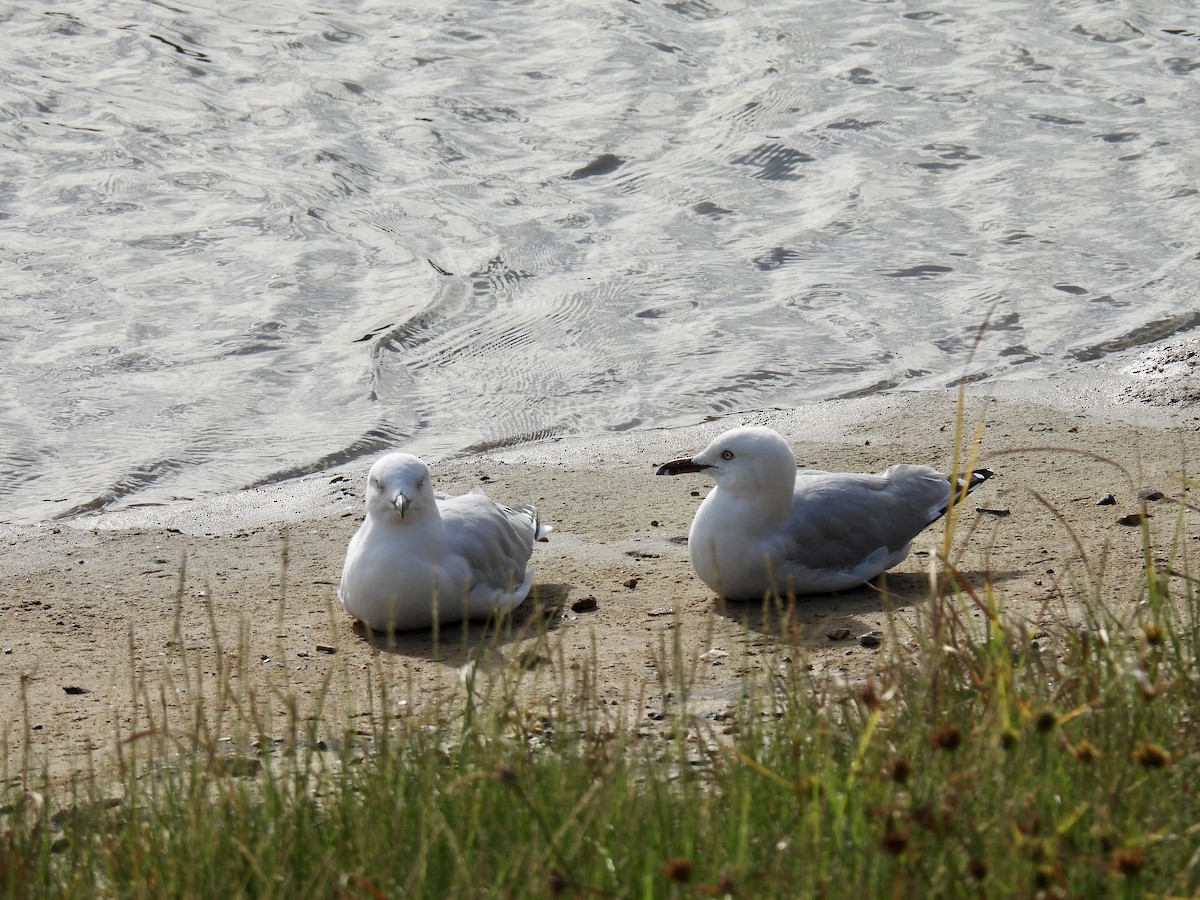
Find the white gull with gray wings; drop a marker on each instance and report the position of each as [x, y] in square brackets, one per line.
[422, 555]
[768, 527]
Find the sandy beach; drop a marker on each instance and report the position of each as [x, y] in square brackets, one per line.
[88, 606]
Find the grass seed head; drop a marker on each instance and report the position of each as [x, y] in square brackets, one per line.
[1128, 862]
[925, 816]
[948, 738]
[1150, 755]
[894, 842]
[505, 774]
[870, 696]
[1044, 876]
[559, 883]
[678, 870]
[1085, 751]
[1149, 691]
[977, 868]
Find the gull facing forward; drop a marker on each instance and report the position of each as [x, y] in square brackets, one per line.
[422, 556]
[768, 527]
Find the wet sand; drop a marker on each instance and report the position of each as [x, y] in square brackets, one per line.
[88, 607]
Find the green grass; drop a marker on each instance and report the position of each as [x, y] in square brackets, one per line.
[972, 763]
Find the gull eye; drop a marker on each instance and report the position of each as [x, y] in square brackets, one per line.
[728, 454]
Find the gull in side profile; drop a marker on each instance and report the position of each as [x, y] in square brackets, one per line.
[422, 556]
[768, 527]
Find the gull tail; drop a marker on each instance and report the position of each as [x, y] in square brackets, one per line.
[540, 528]
[532, 517]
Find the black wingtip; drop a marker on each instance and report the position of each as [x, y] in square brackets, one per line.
[979, 476]
[974, 480]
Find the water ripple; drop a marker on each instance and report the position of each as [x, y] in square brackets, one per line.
[246, 241]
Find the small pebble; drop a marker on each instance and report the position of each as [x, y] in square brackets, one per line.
[838, 634]
[870, 639]
[1107, 500]
[585, 604]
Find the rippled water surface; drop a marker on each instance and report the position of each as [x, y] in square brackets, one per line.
[241, 241]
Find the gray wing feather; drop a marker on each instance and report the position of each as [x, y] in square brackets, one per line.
[840, 519]
[496, 541]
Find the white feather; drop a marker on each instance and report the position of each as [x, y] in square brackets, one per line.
[767, 527]
[422, 556]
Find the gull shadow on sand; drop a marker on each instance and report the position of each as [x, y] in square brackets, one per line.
[812, 618]
[458, 643]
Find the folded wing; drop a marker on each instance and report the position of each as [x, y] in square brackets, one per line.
[841, 521]
[495, 541]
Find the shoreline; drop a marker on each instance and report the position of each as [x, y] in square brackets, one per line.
[88, 607]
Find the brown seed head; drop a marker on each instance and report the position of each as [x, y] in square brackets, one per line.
[977, 868]
[1085, 752]
[899, 770]
[1128, 862]
[678, 869]
[505, 774]
[1046, 721]
[869, 696]
[1150, 755]
[925, 816]
[948, 737]
[1148, 691]
[559, 883]
[1043, 877]
[894, 842]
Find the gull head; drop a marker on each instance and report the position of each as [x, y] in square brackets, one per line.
[399, 489]
[752, 459]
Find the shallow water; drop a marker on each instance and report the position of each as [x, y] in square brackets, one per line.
[243, 241]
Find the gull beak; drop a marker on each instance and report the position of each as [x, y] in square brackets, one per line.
[683, 466]
[402, 503]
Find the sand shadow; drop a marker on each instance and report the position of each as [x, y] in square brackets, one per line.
[817, 619]
[456, 644]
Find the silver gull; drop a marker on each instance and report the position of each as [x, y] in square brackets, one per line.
[770, 528]
[421, 555]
